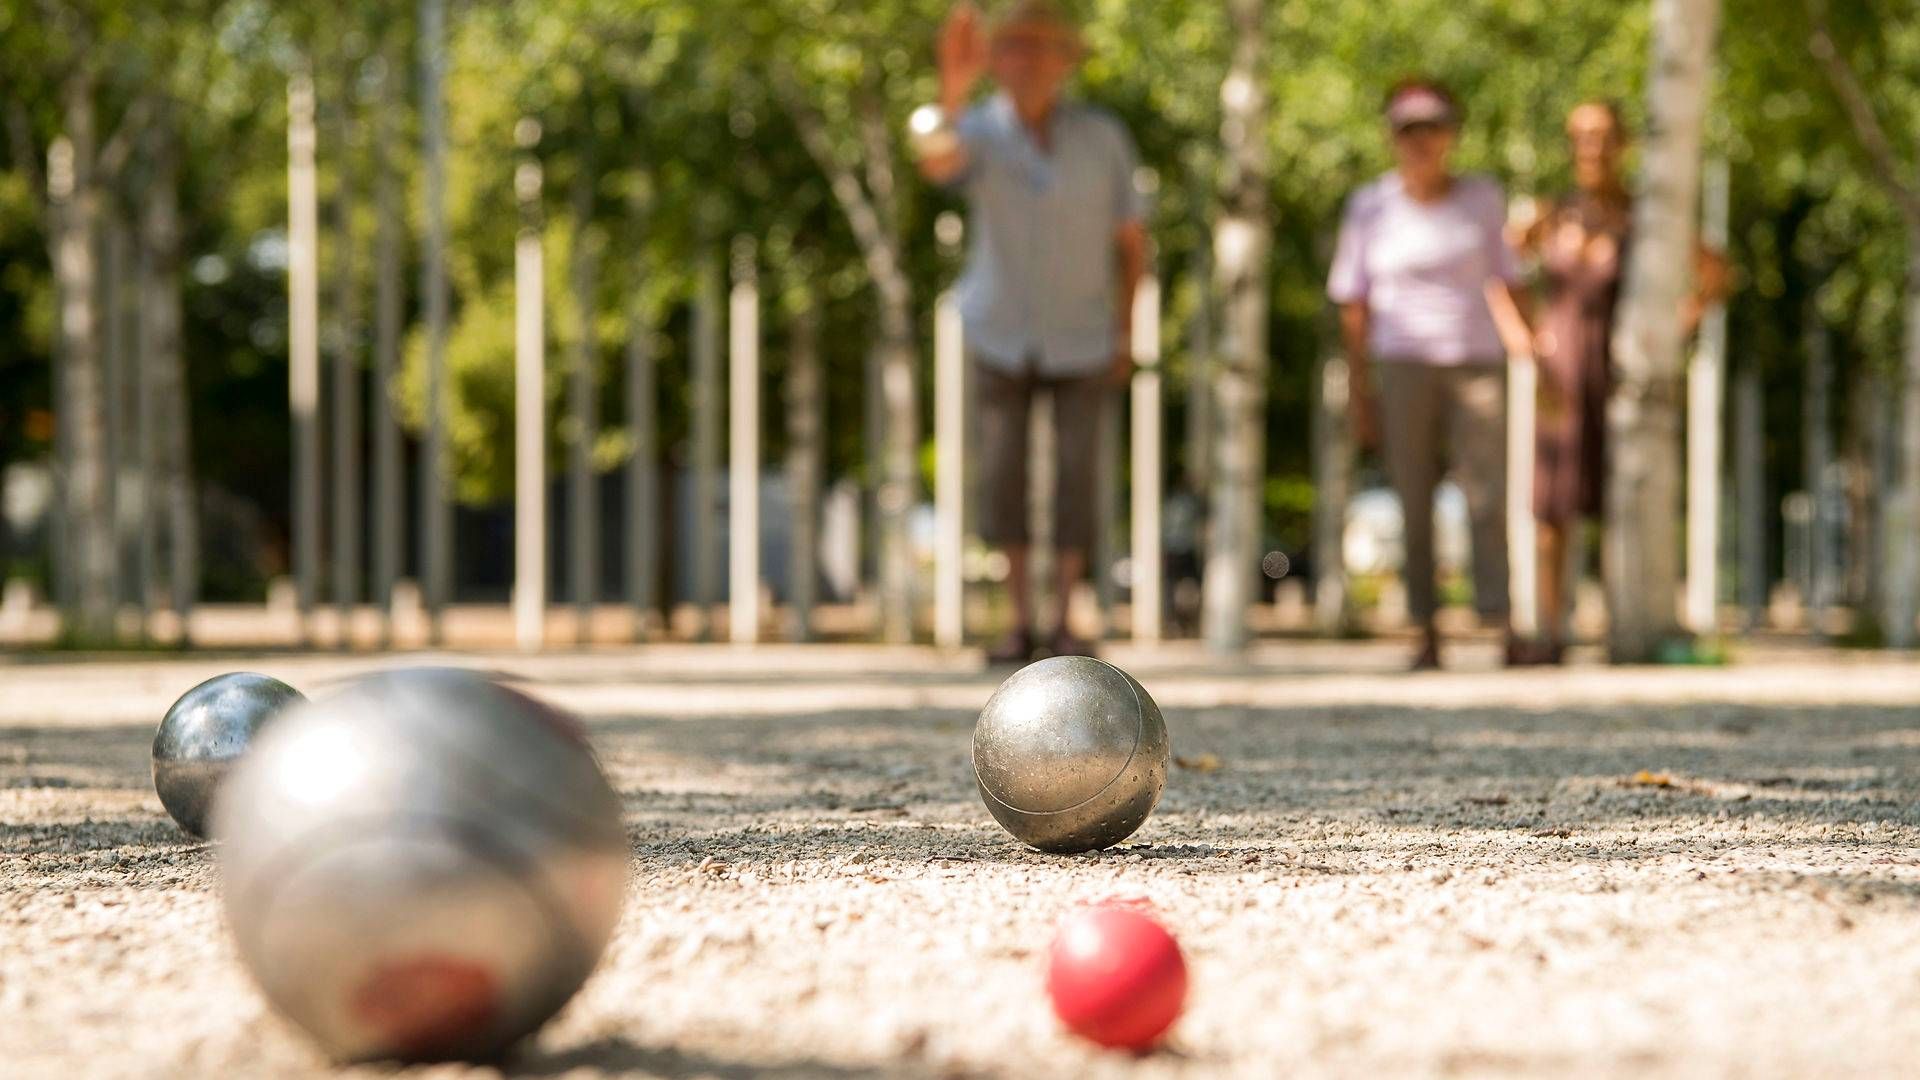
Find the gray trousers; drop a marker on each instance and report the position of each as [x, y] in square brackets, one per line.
[1431, 416]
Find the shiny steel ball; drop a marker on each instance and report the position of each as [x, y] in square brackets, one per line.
[203, 735]
[1070, 754]
[424, 866]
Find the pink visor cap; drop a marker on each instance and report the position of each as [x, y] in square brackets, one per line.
[1420, 105]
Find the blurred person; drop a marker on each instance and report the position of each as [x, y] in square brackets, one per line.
[1057, 244]
[1581, 241]
[1420, 264]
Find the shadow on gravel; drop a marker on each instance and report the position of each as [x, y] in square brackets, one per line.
[63, 757]
[619, 1056]
[1289, 777]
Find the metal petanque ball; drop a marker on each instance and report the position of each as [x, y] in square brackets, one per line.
[424, 866]
[203, 736]
[1070, 754]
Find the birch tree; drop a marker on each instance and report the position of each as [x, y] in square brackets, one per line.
[1240, 257]
[1644, 413]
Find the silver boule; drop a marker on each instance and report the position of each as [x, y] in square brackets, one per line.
[204, 734]
[1071, 754]
[424, 866]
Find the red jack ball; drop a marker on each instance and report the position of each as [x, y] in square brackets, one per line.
[1116, 977]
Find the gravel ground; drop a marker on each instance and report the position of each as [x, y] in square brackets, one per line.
[1650, 872]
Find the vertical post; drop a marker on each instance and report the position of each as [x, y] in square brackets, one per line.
[743, 454]
[643, 494]
[158, 324]
[1106, 511]
[583, 517]
[303, 283]
[1523, 549]
[387, 484]
[347, 490]
[1199, 465]
[706, 440]
[436, 537]
[529, 401]
[1333, 461]
[1042, 484]
[116, 289]
[60, 213]
[804, 472]
[1706, 382]
[1749, 435]
[1149, 575]
[950, 473]
[1818, 435]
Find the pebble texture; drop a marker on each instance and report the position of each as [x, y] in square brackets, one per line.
[1654, 873]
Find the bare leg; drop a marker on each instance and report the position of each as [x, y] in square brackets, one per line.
[1070, 567]
[1553, 583]
[1020, 586]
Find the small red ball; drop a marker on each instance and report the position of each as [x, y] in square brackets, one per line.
[1116, 977]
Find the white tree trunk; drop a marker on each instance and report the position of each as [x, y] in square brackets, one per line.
[1643, 416]
[88, 510]
[168, 438]
[1241, 243]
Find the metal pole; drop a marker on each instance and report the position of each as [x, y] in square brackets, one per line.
[743, 456]
[1333, 466]
[804, 428]
[529, 403]
[583, 515]
[950, 473]
[303, 285]
[706, 440]
[1751, 497]
[117, 288]
[437, 524]
[1706, 383]
[387, 483]
[348, 492]
[1148, 576]
[1523, 550]
[643, 495]
[1106, 511]
[1818, 421]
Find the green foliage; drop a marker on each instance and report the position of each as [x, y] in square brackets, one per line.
[673, 109]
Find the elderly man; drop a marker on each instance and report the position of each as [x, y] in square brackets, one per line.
[1058, 244]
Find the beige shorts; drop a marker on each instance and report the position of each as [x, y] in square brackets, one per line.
[1006, 405]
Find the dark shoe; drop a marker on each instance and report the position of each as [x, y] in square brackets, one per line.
[1065, 644]
[1428, 658]
[1535, 653]
[1015, 648]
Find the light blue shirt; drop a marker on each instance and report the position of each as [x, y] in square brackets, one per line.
[1042, 280]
